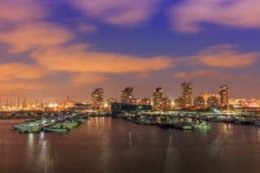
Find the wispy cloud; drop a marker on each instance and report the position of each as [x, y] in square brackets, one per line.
[223, 56]
[35, 35]
[190, 15]
[200, 74]
[17, 11]
[118, 12]
[18, 71]
[79, 59]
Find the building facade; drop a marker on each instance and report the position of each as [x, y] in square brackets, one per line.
[224, 96]
[187, 90]
[199, 103]
[127, 95]
[97, 98]
[158, 99]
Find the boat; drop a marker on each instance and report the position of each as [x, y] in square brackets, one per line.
[146, 121]
[28, 128]
[202, 125]
[166, 123]
[182, 126]
[53, 124]
[55, 130]
[69, 124]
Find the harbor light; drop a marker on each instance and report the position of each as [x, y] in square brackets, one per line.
[53, 105]
[106, 105]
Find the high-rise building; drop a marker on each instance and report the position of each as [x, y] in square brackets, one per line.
[200, 103]
[157, 98]
[180, 103]
[166, 104]
[213, 102]
[97, 98]
[224, 96]
[127, 95]
[187, 94]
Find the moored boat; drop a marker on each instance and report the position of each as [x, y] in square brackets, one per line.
[56, 130]
[182, 126]
[202, 125]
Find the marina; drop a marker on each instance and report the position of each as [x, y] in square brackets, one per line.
[168, 122]
[62, 122]
[121, 146]
[57, 124]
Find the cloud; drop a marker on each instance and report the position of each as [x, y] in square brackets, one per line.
[225, 56]
[79, 59]
[21, 11]
[35, 35]
[16, 71]
[189, 15]
[209, 74]
[118, 12]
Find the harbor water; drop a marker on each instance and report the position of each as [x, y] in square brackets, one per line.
[107, 145]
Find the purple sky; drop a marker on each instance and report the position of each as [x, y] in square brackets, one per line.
[67, 48]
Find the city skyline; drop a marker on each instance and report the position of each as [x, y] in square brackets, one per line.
[52, 49]
[129, 95]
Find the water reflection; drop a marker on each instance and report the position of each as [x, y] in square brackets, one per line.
[215, 147]
[38, 152]
[228, 128]
[42, 135]
[116, 146]
[44, 159]
[172, 158]
[30, 141]
[130, 139]
[30, 148]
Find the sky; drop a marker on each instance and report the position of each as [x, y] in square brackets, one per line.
[52, 49]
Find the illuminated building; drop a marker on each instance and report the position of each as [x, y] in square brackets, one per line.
[187, 94]
[111, 100]
[200, 103]
[213, 102]
[224, 96]
[180, 102]
[134, 101]
[68, 103]
[166, 104]
[161, 103]
[145, 101]
[97, 98]
[81, 107]
[157, 98]
[127, 95]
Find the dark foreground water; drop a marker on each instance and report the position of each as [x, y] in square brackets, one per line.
[116, 146]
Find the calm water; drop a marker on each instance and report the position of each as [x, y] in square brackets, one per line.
[116, 146]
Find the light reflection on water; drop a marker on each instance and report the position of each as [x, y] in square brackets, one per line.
[114, 145]
[44, 159]
[38, 152]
